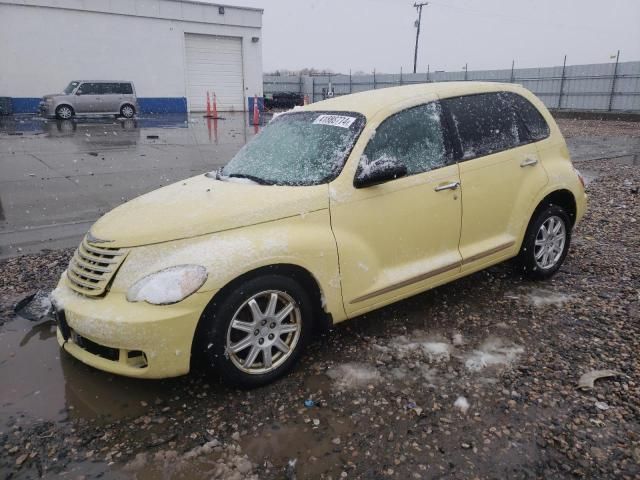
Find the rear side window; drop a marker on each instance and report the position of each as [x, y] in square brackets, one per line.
[534, 122]
[413, 137]
[485, 124]
[109, 88]
[125, 89]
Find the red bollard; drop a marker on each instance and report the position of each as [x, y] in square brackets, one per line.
[215, 106]
[208, 105]
[256, 111]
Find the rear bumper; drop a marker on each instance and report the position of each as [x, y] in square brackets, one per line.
[131, 339]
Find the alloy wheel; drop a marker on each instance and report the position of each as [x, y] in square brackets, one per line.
[264, 332]
[127, 111]
[550, 242]
[65, 113]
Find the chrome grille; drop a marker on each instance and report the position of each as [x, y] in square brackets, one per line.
[92, 268]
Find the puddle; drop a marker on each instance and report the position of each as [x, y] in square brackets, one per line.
[211, 460]
[42, 382]
[314, 447]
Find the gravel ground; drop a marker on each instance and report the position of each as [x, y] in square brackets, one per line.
[476, 379]
[576, 128]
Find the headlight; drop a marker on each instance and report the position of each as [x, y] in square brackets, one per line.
[170, 285]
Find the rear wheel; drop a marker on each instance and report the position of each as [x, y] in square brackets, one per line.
[127, 111]
[546, 243]
[64, 112]
[258, 331]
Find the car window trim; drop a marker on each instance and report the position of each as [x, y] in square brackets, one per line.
[446, 136]
[458, 153]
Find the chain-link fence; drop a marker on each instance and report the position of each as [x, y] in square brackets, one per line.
[603, 87]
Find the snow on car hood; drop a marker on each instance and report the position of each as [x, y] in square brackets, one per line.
[202, 205]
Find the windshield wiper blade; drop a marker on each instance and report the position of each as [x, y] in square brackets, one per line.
[253, 178]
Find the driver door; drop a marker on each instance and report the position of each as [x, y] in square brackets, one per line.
[89, 99]
[399, 237]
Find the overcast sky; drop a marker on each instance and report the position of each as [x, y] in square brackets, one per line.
[368, 34]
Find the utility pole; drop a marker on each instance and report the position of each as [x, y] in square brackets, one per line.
[418, 7]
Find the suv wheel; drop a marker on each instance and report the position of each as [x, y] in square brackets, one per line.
[546, 243]
[258, 331]
[127, 111]
[64, 112]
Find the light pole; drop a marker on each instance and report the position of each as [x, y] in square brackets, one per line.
[418, 7]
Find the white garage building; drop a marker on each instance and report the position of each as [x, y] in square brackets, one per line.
[173, 50]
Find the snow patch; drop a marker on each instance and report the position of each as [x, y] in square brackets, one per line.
[433, 350]
[461, 404]
[353, 375]
[493, 352]
[542, 298]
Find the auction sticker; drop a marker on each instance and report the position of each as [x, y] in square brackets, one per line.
[335, 120]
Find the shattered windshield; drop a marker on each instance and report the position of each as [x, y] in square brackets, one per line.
[70, 88]
[298, 148]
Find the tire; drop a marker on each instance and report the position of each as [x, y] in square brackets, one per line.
[217, 335]
[64, 112]
[127, 110]
[540, 258]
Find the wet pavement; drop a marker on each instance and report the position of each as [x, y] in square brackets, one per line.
[475, 379]
[58, 177]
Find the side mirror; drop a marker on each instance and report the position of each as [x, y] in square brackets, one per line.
[79, 91]
[379, 171]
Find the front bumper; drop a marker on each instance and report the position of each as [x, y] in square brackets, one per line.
[124, 338]
[46, 109]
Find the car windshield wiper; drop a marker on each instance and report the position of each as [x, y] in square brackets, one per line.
[253, 178]
[218, 176]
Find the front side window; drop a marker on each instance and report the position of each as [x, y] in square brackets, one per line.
[297, 148]
[413, 137]
[485, 124]
[70, 88]
[125, 89]
[87, 89]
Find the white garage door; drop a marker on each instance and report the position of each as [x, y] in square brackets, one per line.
[214, 64]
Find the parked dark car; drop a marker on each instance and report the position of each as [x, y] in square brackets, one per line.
[284, 100]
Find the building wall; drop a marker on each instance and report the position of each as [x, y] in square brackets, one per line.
[44, 46]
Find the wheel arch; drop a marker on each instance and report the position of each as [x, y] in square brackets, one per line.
[323, 320]
[563, 198]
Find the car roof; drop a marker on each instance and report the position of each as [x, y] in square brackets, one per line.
[103, 81]
[371, 102]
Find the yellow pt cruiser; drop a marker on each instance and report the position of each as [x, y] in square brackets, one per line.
[332, 211]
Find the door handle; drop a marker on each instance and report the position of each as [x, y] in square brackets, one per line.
[529, 162]
[447, 186]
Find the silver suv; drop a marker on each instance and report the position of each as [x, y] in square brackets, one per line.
[93, 97]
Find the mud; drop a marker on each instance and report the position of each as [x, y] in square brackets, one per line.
[512, 349]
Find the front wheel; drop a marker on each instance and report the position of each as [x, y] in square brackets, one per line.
[546, 243]
[258, 331]
[64, 112]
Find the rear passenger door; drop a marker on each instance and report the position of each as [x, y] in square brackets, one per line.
[111, 97]
[500, 175]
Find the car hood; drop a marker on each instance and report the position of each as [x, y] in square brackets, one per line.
[51, 95]
[202, 205]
